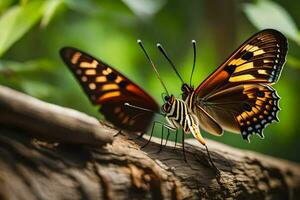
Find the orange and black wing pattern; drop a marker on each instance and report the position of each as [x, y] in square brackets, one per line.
[245, 108]
[108, 88]
[258, 60]
[238, 95]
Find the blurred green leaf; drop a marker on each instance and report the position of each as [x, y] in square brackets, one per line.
[145, 8]
[23, 2]
[4, 4]
[37, 88]
[86, 6]
[268, 14]
[35, 77]
[13, 24]
[293, 62]
[28, 66]
[50, 8]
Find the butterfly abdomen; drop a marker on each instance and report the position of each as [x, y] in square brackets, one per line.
[179, 114]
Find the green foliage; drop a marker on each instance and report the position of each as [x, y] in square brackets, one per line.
[144, 8]
[33, 31]
[293, 62]
[16, 21]
[268, 14]
[50, 9]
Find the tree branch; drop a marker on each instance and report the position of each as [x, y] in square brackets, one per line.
[48, 121]
[32, 169]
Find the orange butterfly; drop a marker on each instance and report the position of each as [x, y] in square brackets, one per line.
[238, 96]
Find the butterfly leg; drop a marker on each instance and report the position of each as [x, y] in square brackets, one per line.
[175, 139]
[163, 126]
[167, 138]
[161, 140]
[140, 136]
[118, 133]
[162, 136]
[183, 150]
[210, 160]
[153, 125]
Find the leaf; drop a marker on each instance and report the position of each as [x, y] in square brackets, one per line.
[37, 89]
[34, 77]
[4, 4]
[16, 21]
[145, 8]
[86, 6]
[50, 8]
[15, 67]
[268, 14]
[293, 62]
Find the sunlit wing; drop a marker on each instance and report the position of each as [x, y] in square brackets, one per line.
[109, 88]
[258, 60]
[245, 108]
[238, 95]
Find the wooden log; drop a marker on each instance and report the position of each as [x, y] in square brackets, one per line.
[31, 169]
[51, 122]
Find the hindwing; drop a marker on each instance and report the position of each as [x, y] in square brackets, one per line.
[245, 108]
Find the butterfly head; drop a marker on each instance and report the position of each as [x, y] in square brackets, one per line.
[186, 90]
[169, 100]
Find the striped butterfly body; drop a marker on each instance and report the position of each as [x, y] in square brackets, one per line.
[179, 115]
[108, 88]
[238, 95]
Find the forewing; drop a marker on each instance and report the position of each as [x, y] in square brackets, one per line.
[107, 87]
[258, 60]
[245, 108]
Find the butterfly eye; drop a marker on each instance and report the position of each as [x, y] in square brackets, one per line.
[183, 88]
[167, 98]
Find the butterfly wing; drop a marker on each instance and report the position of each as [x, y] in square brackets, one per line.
[238, 94]
[258, 60]
[109, 88]
[245, 108]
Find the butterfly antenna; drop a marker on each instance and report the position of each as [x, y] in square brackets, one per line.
[161, 49]
[194, 63]
[156, 72]
[141, 108]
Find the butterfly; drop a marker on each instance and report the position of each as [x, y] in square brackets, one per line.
[107, 87]
[238, 96]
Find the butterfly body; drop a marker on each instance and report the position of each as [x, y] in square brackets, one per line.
[179, 115]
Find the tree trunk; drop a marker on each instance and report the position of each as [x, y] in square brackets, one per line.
[49, 152]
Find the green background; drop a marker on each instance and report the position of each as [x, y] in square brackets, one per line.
[33, 31]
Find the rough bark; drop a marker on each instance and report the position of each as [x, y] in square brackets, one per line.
[67, 168]
[48, 121]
